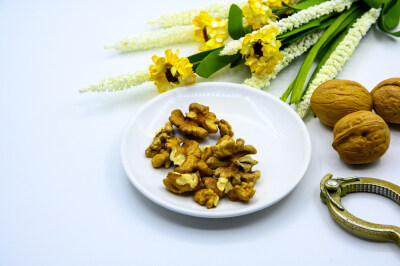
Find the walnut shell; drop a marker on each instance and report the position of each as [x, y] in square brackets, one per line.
[386, 97]
[361, 137]
[337, 98]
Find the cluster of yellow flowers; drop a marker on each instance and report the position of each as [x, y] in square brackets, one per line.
[258, 13]
[171, 71]
[210, 31]
[261, 49]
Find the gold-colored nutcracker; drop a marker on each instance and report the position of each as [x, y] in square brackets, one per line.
[332, 189]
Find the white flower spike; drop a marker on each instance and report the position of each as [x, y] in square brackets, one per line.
[120, 82]
[154, 39]
[218, 10]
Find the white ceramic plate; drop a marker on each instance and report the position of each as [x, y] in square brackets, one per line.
[277, 132]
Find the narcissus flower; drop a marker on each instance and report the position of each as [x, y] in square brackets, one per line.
[258, 14]
[171, 71]
[261, 50]
[210, 31]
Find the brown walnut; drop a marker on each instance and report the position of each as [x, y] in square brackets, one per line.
[386, 97]
[337, 98]
[361, 137]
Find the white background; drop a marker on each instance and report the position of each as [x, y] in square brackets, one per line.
[64, 196]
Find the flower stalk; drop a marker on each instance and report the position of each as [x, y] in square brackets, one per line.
[218, 10]
[154, 39]
[120, 82]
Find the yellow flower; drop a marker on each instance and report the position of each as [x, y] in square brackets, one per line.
[171, 71]
[261, 50]
[258, 13]
[277, 3]
[211, 31]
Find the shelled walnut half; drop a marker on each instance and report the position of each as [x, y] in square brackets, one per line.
[157, 149]
[199, 122]
[232, 160]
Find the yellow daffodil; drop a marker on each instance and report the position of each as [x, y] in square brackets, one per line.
[171, 71]
[258, 13]
[261, 50]
[210, 31]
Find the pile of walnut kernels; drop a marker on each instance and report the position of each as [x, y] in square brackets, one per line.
[210, 172]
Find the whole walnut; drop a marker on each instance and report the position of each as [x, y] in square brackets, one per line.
[386, 97]
[336, 98]
[361, 137]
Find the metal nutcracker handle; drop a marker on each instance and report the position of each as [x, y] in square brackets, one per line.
[332, 189]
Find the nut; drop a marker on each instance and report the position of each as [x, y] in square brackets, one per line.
[211, 183]
[227, 150]
[232, 160]
[161, 137]
[242, 192]
[193, 164]
[204, 117]
[206, 152]
[337, 98]
[206, 197]
[225, 128]
[180, 183]
[199, 122]
[246, 162]
[179, 153]
[386, 97]
[223, 184]
[361, 137]
[161, 159]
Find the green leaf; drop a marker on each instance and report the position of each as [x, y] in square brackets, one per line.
[307, 4]
[286, 94]
[311, 24]
[214, 62]
[296, 37]
[300, 6]
[348, 21]
[200, 56]
[238, 62]
[305, 68]
[326, 56]
[195, 65]
[235, 22]
[392, 17]
[387, 7]
[374, 3]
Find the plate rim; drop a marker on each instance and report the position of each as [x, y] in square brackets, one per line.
[196, 213]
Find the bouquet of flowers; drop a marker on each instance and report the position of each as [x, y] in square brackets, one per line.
[265, 35]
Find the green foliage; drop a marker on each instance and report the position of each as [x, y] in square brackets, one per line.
[305, 68]
[214, 62]
[235, 23]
